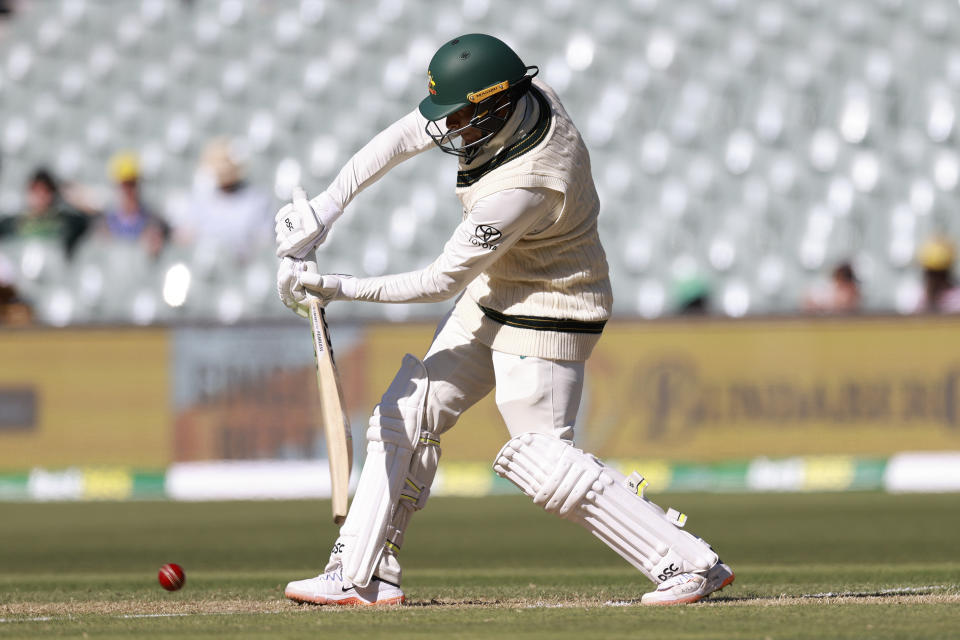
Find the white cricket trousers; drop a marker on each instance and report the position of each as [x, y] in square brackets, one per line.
[532, 394]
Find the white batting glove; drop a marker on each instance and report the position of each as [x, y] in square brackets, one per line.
[326, 286]
[302, 225]
[288, 283]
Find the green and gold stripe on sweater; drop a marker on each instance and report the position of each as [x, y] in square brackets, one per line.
[541, 323]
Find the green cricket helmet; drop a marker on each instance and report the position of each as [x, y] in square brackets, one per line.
[479, 70]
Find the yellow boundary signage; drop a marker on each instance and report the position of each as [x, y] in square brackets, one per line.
[102, 398]
[675, 391]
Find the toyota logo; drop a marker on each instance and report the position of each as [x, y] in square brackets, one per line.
[487, 234]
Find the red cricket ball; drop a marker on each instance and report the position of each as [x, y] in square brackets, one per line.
[171, 576]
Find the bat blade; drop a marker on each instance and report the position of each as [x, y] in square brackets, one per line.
[333, 417]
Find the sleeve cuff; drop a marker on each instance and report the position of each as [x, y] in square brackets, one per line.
[328, 209]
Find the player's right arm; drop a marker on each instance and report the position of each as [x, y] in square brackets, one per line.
[493, 226]
[302, 225]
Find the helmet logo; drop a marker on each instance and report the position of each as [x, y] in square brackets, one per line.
[477, 96]
[431, 84]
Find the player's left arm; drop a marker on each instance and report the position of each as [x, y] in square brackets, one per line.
[492, 227]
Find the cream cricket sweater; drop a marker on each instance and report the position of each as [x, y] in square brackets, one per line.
[527, 249]
[554, 273]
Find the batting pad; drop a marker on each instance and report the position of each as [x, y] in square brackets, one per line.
[393, 433]
[576, 486]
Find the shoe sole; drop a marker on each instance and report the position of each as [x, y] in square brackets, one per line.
[692, 599]
[351, 601]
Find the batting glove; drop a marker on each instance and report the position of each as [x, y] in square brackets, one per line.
[326, 286]
[287, 283]
[302, 225]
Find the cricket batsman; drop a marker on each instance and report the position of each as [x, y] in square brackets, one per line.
[534, 295]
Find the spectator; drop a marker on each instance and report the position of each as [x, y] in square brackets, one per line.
[841, 295]
[129, 218]
[940, 292]
[47, 215]
[225, 210]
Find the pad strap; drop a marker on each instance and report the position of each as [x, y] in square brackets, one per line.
[413, 497]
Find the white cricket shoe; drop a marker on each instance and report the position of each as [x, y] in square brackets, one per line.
[332, 588]
[690, 587]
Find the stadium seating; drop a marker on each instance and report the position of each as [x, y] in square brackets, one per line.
[747, 144]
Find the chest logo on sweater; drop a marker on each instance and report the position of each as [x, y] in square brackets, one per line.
[486, 236]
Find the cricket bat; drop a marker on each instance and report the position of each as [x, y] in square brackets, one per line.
[333, 418]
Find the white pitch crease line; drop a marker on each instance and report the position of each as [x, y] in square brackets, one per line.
[132, 616]
[882, 592]
[40, 619]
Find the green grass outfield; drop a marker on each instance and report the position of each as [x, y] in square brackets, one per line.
[850, 565]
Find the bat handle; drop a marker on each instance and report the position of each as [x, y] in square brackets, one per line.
[318, 315]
